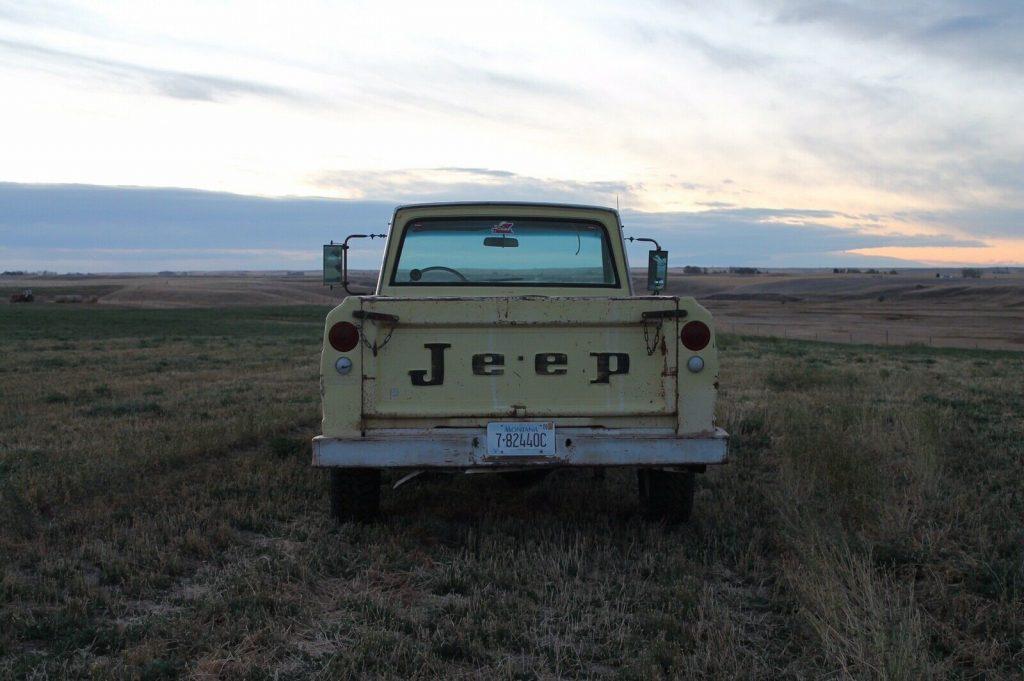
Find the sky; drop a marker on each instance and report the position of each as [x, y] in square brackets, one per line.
[145, 136]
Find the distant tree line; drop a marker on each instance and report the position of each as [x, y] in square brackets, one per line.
[694, 269]
[854, 270]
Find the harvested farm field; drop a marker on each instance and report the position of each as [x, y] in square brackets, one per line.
[912, 307]
[159, 517]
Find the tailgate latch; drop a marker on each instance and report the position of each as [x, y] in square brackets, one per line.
[663, 314]
[376, 316]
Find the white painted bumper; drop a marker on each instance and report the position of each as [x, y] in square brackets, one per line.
[465, 448]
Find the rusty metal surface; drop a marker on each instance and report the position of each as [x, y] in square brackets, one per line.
[465, 448]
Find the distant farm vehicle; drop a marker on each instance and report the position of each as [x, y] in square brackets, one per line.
[25, 296]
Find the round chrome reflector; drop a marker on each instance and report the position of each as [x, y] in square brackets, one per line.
[343, 365]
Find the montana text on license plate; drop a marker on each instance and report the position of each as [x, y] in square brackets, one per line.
[521, 439]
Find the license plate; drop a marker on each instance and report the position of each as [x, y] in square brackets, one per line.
[521, 439]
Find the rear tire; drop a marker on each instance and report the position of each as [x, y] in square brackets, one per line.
[666, 496]
[355, 494]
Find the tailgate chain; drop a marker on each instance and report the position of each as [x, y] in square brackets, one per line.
[658, 317]
[652, 345]
[376, 348]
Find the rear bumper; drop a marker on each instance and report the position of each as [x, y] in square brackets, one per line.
[464, 448]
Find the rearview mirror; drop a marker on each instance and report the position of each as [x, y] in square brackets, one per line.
[336, 261]
[501, 242]
[657, 271]
[333, 254]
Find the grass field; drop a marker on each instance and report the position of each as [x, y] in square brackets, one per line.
[158, 517]
[910, 308]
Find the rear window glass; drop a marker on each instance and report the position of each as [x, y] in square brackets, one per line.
[505, 252]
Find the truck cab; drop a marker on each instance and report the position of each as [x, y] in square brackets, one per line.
[506, 337]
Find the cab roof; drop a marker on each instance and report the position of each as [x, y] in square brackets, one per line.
[505, 204]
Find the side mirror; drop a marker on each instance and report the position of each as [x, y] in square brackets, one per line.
[336, 261]
[333, 256]
[657, 271]
[657, 265]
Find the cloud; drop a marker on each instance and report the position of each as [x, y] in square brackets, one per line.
[985, 221]
[85, 216]
[726, 57]
[954, 163]
[768, 237]
[489, 172]
[156, 259]
[977, 32]
[470, 184]
[869, 106]
[50, 14]
[169, 83]
[518, 85]
[91, 228]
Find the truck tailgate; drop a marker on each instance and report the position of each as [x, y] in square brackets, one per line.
[477, 357]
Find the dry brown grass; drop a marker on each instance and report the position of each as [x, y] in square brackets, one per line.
[910, 308]
[158, 517]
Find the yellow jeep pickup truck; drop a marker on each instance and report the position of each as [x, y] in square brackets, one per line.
[507, 337]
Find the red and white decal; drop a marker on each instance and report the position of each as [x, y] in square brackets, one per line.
[502, 228]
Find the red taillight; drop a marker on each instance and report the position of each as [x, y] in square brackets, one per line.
[695, 336]
[343, 336]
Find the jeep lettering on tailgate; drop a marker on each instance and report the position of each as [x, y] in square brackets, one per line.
[506, 338]
[545, 364]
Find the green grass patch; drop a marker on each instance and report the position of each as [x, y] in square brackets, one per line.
[75, 324]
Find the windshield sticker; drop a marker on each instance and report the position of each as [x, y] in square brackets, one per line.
[502, 228]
